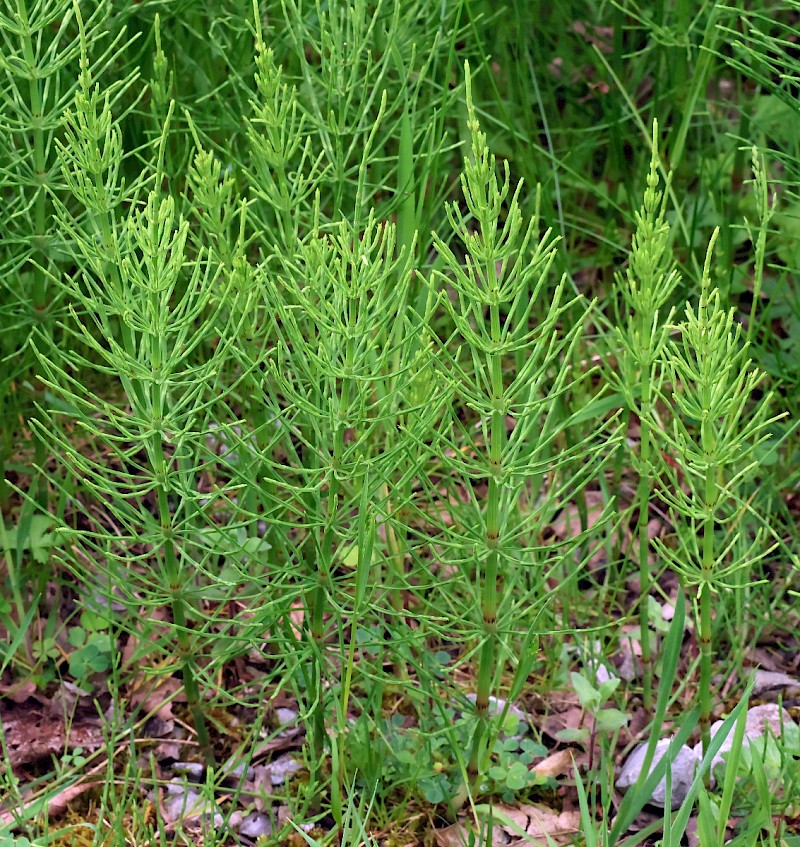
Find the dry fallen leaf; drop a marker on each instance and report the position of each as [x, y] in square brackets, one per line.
[56, 804]
[533, 821]
[19, 691]
[296, 617]
[569, 520]
[528, 824]
[456, 835]
[571, 718]
[556, 764]
[155, 696]
[32, 733]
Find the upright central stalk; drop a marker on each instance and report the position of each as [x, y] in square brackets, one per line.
[645, 487]
[707, 571]
[646, 288]
[491, 573]
[318, 596]
[172, 561]
[506, 313]
[39, 260]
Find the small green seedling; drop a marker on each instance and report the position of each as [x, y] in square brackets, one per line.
[606, 721]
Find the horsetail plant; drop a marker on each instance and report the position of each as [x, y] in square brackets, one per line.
[646, 287]
[708, 392]
[37, 44]
[326, 386]
[344, 353]
[283, 171]
[764, 212]
[165, 394]
[499, 285]
[138, 301]
[33, 106]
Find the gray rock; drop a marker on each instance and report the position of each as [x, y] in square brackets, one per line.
[283, 767]
[768, 681]
[286, 716]
[193, 770]
[760, 719]
[683, 769]
[186, 803]
[255, 825]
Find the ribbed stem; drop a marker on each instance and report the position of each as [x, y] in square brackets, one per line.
[705, 666]
[491, 571]
[174, 571]
[318, 597]
[317, 630]
[39, 259]
[704, 635]
[644, 490]
[185, 642]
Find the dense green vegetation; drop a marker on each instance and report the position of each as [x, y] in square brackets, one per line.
[404, 395]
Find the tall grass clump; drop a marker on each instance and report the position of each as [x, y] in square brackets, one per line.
[33, 54]
[44, 46]
[338, 75]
